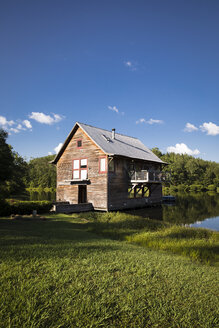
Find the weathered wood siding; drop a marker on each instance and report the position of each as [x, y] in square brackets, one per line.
[118, 185]
[106, 191]
[97, 189]
[119, 182]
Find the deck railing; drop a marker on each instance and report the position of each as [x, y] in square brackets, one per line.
[148, 176]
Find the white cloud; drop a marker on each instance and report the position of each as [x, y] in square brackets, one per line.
[182, 149]
[4, 123]
[211, 128]
[45, 119]
[141, 120]
[151, 121]
[130, 65]
[7, 125]
[190, 127]
[57, 149]
[49, 153]
[27, 124]
[14, 130]
[20, 127]
[113, 108]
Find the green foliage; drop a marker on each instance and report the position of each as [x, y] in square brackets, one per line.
[196, 188]
[6, 163]
[55, 273]
[173, 188]
[6, 157]
[17, 184]
[187, 170]
[118, 225]
[24, 207]
[13, 169]
[41, 174]
[211, 187]
[198, 244]
[5, 208]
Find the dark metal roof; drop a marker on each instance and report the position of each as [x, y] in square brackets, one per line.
[120, 146]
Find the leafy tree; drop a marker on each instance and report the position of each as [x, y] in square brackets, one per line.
[189, 171]
[41, 173]
[17, 184]
[6, 157]
[6, 162]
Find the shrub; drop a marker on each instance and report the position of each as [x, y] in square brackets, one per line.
[192, 187]
[181, 187]
[196, 187]
[166, 190]
[212, 187]
[24, 207]
[5, 209]
[173, 188]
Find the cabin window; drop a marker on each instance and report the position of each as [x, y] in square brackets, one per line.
[79, 143]
[80, 169]
[83, 174]
[102, 165]
[83, 163]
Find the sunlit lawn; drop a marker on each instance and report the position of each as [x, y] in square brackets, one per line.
[55, 273]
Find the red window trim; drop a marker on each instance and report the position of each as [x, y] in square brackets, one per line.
[80, 168]
[105, 164]
[77, 143]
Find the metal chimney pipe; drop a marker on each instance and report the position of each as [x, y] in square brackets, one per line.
[113, 133]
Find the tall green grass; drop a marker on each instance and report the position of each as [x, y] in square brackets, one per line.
[55, 273]
[198, 244]
[118, 225]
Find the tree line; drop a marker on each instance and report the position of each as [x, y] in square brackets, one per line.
[17, 174]
[186, 170]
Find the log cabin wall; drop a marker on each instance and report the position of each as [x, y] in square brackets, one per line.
[97, 189]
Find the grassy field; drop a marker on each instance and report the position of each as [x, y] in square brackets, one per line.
[200, 245]
[57, 273]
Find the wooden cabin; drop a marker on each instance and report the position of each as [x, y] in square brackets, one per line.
[105, 170]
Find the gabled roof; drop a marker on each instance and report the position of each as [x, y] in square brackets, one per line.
[120, 146]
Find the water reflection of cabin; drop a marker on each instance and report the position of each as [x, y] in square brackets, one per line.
[109, 170]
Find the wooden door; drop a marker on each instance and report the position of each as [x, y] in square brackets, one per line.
[82, 194]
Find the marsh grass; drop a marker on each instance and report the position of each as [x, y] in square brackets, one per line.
[119, 225]
[198, 244]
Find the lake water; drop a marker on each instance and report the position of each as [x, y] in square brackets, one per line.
[192, 209]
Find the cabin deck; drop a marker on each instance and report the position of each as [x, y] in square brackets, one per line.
[145, 176]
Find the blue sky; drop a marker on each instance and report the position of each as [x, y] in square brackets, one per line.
[150, 69]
